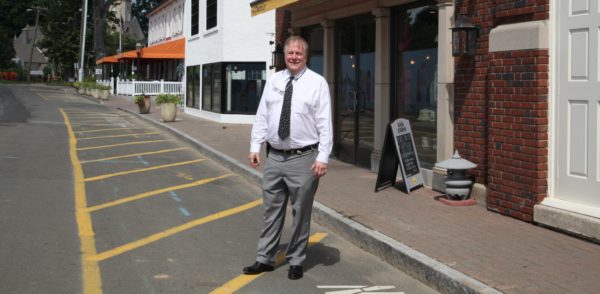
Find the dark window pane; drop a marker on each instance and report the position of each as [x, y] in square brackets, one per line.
[195, 20]
[243, 86]
[206, 86]
[211, 14]
[216, 87]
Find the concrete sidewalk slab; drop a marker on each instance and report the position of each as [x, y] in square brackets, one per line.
[464, 249]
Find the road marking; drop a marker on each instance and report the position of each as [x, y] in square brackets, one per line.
[122, 144]
[155, 192]
[92, 283]
[242, 280]
[174, 196]
[341, 287]
[172, 231]
[119, 136]
[43, 97]
[104, 130]
[133, 155]
[106, 176]
[184, 211]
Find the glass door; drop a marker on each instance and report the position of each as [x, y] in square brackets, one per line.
[355, 43]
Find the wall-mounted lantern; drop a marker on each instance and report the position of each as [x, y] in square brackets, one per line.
[277, 60]
[464, 37]
[458, 185]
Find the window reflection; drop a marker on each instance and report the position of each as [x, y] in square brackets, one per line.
[415, 75]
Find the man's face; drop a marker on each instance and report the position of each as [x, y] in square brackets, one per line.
[295, 57]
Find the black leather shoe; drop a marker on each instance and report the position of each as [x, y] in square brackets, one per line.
[295, 272]
[258, 268]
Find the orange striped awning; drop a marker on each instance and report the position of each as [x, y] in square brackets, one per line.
[107, 59]
[169, 50]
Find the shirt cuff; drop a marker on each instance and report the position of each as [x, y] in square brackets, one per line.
[254, 147]
[323, 157]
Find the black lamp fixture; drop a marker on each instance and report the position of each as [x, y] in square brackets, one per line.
[138, 50]
[464, 37]
[277, 61]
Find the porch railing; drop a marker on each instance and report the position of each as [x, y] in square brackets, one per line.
[133, 87]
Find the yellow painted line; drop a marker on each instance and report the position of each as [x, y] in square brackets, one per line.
[172, 231]
[155, 192]
[106, 176]
[242, 280]
[119, 136]
[133, 155]
[43, 97]
[106, 130]
[92, 283]
[121, 144]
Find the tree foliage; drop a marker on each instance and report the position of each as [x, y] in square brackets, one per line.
[101, 12]
[140, 10]
[14, 18]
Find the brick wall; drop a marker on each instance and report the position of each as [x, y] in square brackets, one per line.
[501, 110]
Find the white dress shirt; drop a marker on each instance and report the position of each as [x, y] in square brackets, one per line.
[310, 120]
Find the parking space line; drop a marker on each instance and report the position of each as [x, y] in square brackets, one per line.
[133, 155]
[242, 280]
[92, 282]
[155, 192]
[106, 176]
[105, 130]
[122, 144]
[172, 231]
[118, 136]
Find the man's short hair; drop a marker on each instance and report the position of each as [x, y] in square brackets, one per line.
[293, 39]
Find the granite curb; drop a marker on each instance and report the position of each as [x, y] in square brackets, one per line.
[428, 270]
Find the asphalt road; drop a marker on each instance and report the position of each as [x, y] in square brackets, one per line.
[94, 200]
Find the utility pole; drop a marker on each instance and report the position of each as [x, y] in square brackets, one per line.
[82, 46]
[37, 18]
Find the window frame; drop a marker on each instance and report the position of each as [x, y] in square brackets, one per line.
[195, 17]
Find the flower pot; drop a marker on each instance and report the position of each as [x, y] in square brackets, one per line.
[145, 108]
[96, 93]
[168, 112]
[104, 94]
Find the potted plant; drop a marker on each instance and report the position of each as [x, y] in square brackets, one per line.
[143, 102]
[168, 106]
[104, 91]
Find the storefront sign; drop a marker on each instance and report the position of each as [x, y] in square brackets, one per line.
[399, 150]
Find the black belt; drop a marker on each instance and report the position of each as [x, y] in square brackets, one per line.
[296, 151]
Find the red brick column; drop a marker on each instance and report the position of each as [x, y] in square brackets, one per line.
[501, 109]
[518, 131]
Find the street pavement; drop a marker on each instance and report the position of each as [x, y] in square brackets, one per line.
[95, 200]
[464, 249]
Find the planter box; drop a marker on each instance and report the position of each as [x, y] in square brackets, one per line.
[104, 94]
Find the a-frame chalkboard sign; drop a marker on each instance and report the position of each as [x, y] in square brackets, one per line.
[399, 149]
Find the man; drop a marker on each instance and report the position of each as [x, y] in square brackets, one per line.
[294, 117]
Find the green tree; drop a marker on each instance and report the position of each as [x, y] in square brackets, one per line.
[14, 18]
[140, 10]
[61, 26]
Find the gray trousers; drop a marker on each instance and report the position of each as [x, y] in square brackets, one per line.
[287, 177]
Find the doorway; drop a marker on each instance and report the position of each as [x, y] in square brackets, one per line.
[355, 89]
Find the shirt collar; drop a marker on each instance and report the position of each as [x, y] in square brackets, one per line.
[298, 76]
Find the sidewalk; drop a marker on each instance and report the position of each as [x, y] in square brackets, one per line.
[453, 249]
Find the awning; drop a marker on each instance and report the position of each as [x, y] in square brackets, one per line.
[169, 50]
[107, 59]
[262, 6]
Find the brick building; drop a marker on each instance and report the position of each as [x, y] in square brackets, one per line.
[524, 107]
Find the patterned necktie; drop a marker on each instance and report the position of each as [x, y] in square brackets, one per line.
[284, 119]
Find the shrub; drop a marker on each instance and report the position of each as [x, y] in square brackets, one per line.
[139, 100]
[168, 98]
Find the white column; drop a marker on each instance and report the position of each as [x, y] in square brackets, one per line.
[445, 87]
[382, 82]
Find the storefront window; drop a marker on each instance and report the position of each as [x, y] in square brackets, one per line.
[415, 75]
[314, 37]
[193, 87]
[232, 87]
